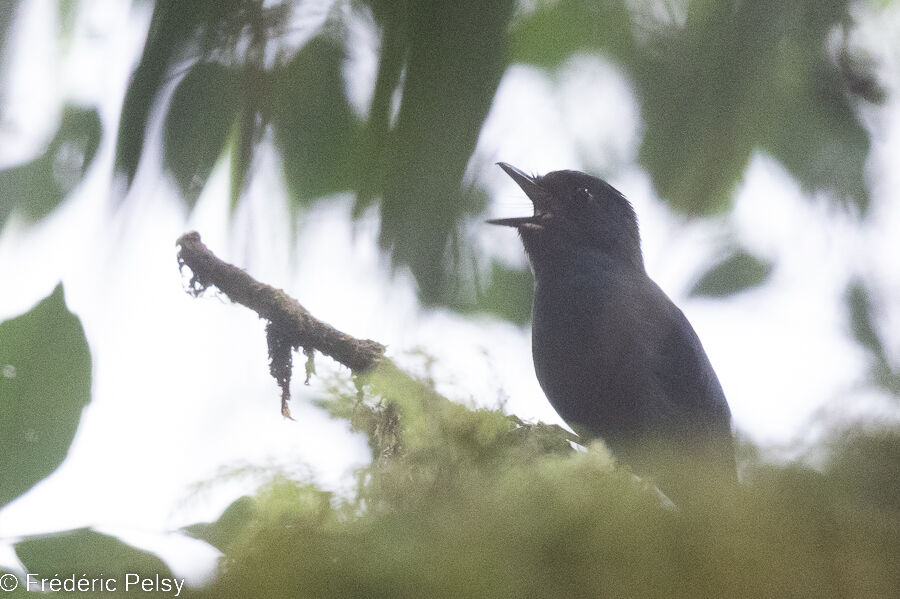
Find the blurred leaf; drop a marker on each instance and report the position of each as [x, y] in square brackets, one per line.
[45, 383]
[201, 114]
[8, 10]
[221, 533]
[35, 188]
[457, 54]
[315, 128]
[858, 465]
[858, 77]
[698, 86]
[553, 32]
[738, 273]
[507, 295]
[719, 79]
[171, 27]
[470, 503]
[248, 132]
[740, 76]
[393, 16]
[218, 24]
[814, 131]
[68, 12]
[862, 319]
[863, 323]
[89, 554]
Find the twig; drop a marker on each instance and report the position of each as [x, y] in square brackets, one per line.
[294, 323]
[290, 326]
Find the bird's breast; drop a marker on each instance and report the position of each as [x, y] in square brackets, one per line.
[581, 348]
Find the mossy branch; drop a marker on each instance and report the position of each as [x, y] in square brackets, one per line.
[291, 327]
[293, 323]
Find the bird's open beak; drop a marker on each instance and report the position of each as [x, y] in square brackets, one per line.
[526, 182]
[534, 192]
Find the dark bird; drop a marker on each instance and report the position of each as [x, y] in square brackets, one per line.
[615, 357]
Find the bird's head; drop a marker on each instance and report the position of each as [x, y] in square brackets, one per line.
[574, 210]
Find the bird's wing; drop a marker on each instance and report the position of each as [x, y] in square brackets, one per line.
[651, 357]
[683, 374]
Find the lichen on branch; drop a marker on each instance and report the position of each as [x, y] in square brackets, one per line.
[290, 325]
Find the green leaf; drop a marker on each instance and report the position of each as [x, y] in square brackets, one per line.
[553, 32]
[247, 133]
[507, 295]
[8, 12]
[45, 383]
[738, 273]
[172, 26]
[394, 20]
[68, 13]
[720, 79]
[739, 76]
[862, 318]
[221, 533]
[863, 322]
[457, 54]
[215, 25]
[35, 188]
[698, 86]
[814, 131]
[315, 128]
[203, 109]
[87, 554]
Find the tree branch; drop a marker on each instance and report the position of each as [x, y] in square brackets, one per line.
[291, 326]
[293, 323]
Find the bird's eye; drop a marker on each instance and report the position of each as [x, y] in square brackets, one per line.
[584, 195]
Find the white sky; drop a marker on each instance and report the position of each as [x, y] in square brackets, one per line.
[181, 391]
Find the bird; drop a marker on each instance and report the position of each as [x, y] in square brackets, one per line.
[616, 358]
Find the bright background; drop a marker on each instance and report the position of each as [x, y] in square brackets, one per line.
[184, 416]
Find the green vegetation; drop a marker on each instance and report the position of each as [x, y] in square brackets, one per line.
[459, 502]
[468, 503]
